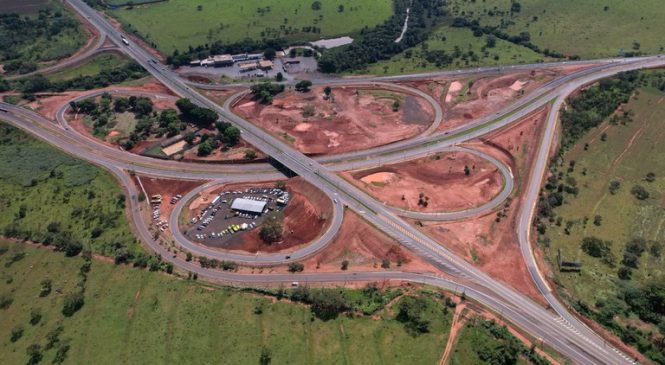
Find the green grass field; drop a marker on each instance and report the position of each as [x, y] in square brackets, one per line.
[91, 67]
[232, 21]
[447, 38]
[590, 29]
[140, 317]
[629, 153]
[40, 185]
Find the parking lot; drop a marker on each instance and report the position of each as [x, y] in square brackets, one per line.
[217, 223]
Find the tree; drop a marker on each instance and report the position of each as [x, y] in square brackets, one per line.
[639, 192]
[266, 356]
[269, 54]
[466, 170]
[271, 231]
[4, 85]
[316, 5]
[328, 304]
[345, 264]
[279, 77]
[34, 353]
[232, 136]
[17, 332]
[651, 177]
[614, 186]
[296, 267]
[73, 302]
[490, 41]
[206, 147]
[303, 86]
[35, 316]
[411, 312]
[340, 9]
[45, 289]
[597, 220]
[395, 105]
[327, 91]
[250, 154]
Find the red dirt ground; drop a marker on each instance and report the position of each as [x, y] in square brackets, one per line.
[346, 122]
[305, 218]
[167, 188]
[492, 245]
[441, 180]
[364, 247]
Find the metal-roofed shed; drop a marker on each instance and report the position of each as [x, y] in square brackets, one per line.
[248, 206]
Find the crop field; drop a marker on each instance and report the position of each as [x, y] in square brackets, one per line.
[137, 316]
[448, 39]
[44, 191]
[91, 67]
[203, 22]
[590, 29]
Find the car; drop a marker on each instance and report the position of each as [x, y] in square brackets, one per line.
[287, 257]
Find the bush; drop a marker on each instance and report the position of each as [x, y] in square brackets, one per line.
[639, 192]
[5, 301]
[328, 304]
[73, 302]
[411, 313]
[17, 332]
[271, 231]
[296, 267]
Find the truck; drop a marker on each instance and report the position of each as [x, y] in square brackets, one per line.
[124, 40]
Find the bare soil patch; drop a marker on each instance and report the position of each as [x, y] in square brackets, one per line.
[365, 248]
[167, 188]
[351, 119]
[440, 179]
[490, 241]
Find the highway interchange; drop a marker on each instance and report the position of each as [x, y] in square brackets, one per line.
[555, 326]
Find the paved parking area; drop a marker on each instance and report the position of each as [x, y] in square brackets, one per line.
[217, 223]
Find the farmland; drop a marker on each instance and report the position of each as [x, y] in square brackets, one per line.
[467, 51]
[232, 21]
[611, 226]
[49, 196]
[137, 316]
[589, 29]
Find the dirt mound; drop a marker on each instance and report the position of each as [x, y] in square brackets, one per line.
[440, 179]
[351, 119]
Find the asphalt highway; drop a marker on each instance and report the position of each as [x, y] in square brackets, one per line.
[561, 331]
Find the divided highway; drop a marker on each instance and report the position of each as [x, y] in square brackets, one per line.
[561, 331]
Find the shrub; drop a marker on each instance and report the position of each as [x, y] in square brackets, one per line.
[73, 302]
[639, 192]
[296, 267]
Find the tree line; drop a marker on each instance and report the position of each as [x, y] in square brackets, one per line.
[379, 43]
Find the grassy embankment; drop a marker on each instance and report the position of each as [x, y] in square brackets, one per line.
[482, 342]
[137, 316]
[622, 259]
[232, 21]
[46, 193]
[589, 29]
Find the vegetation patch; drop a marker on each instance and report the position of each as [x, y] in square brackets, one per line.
[122, 302]
[210, 22]
[52, 198]
[44, 32]
[603, 208]
[484, 341]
